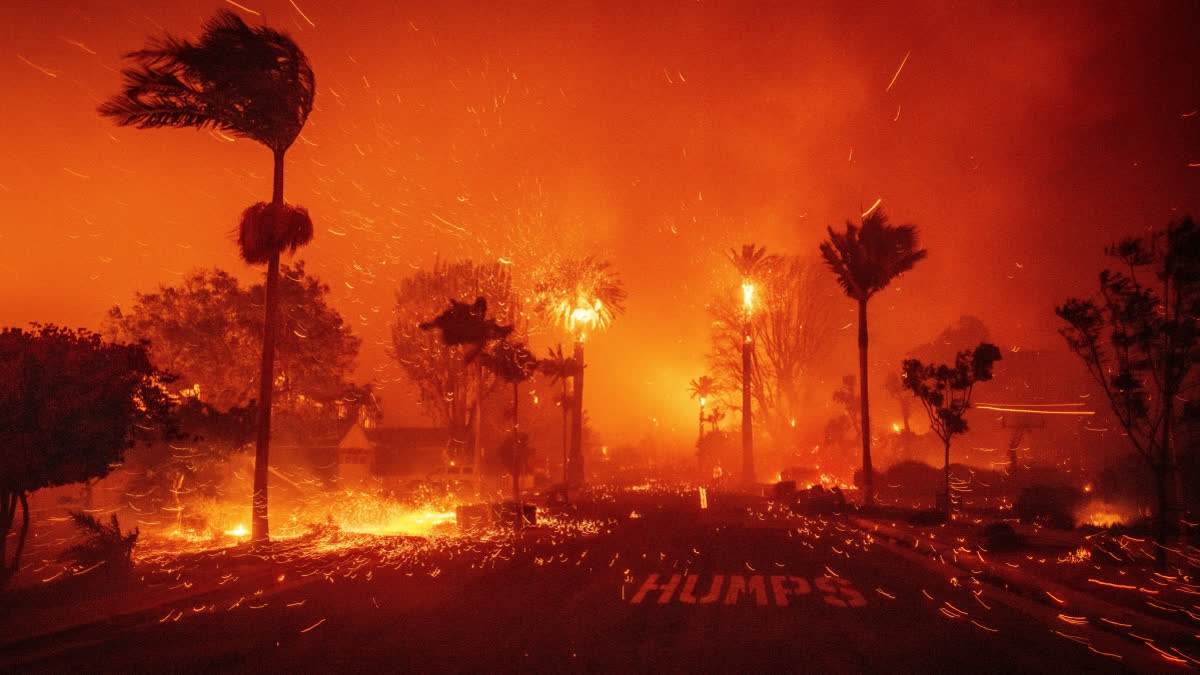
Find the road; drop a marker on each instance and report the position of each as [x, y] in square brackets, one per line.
[662, 586]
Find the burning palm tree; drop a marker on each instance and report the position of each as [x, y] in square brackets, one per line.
[865, 260]
[255, 83]
[752, 263]
[581, 296]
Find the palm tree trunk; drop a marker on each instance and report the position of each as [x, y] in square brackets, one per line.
[566, 428]
[516, 457]
[477, 450]
[576, 460]
[868, 472]
[747, 416]
[259, 527]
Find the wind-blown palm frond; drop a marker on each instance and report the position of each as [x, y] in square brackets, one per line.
[252, 82]
[865, 259]
[558, 366]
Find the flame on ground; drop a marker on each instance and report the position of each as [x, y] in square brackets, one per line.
[1102, 514]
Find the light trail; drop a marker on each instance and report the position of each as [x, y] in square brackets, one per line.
[904, 61]
[1035, 409]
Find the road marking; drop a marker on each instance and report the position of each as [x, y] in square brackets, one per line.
[740, 589]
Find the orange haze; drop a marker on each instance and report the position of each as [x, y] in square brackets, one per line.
[656, 135]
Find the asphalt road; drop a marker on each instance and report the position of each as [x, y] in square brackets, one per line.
[673, 589]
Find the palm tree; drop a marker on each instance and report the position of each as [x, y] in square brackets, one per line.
[560, 368]
[752, 264]
[580, 295]
[865, 260]
[514, 363]
[255, 83]
[703, 389]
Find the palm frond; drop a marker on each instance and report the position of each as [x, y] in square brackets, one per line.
[866, 259]
[752, 262]
[252, 82]
[266, 230]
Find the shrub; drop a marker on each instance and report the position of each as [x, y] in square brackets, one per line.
[104, 544]
[1001, 535]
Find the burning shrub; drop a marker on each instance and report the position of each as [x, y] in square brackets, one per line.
[105, 544]
[1102, 514]
[1052, 505]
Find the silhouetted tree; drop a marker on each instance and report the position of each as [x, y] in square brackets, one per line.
[865, 259]
[580, 295]
[451, 388]
[70, 406]
[513, 363]
[561, 368]
[1140, 340]
[255, 83]
[467, 325]
[945, 392]
[208, 330]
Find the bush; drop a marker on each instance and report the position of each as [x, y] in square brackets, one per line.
[1001, 535]
[1052, 505]
[104, 543]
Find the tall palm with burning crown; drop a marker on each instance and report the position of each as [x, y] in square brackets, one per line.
[752, 264]
[580, 295]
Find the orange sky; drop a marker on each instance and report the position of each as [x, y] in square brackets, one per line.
[654, 134]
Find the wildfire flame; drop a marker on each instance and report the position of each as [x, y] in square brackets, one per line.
[1101, 514]
[580, 317]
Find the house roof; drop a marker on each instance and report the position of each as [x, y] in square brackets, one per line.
[394, 437]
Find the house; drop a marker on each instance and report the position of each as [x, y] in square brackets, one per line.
[390, 454]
